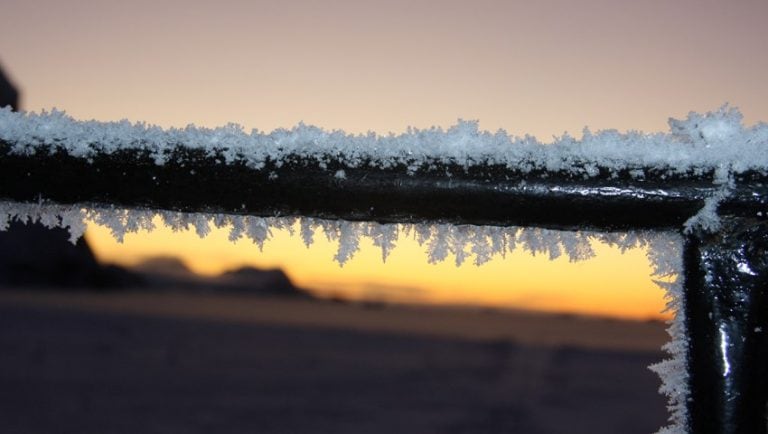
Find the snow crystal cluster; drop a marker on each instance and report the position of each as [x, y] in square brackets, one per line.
[666, 256]
[478, 244]
[710, 141]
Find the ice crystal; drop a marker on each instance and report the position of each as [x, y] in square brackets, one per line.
[463, 242]
[665, 253]
[701, 141]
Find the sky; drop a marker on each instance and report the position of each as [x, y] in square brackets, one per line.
[540, 68]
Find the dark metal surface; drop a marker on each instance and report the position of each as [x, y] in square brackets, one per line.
[726, 304]
[485, 195]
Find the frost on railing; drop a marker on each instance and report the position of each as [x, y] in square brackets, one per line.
[713, 143]
[706, 163]
[716, 140]
[479, 244]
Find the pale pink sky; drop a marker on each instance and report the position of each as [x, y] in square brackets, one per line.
[539, 67]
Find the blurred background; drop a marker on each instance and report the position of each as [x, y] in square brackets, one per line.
[170, 333]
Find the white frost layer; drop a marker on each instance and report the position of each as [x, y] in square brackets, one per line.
[673, 371]
[463, 242]
[702, 141]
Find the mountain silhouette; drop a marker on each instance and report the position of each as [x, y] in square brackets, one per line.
[168, 272]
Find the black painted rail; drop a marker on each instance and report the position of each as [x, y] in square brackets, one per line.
[193, 180]
[726, 273]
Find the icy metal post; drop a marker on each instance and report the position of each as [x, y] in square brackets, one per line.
[726, 302]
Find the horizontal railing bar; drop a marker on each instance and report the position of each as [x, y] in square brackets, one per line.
[192, 180]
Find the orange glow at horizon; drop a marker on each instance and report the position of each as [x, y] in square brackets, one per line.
[614, 284]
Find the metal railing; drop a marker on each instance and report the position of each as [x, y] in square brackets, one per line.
[726, 272]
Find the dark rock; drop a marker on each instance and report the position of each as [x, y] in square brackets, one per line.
[33, 255]
[9, 96]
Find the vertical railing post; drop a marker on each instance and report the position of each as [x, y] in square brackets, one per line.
[726, 302]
